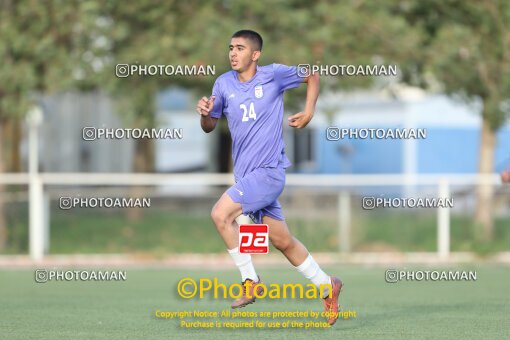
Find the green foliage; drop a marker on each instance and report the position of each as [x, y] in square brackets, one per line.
[56, 45]
[466, 47]
[42, 44]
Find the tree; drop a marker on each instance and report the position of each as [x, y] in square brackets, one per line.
[466, 47]
[41, 45]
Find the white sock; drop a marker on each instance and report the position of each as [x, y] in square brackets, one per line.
[311, 270]
[243, 262]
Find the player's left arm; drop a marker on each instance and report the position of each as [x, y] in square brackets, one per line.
[301, 119]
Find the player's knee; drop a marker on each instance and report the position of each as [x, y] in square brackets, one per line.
[219, 217]
[283, 243]
[216, 215]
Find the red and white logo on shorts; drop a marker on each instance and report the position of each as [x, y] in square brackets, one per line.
[254, 238]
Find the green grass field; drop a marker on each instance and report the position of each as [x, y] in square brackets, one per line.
[120, 310]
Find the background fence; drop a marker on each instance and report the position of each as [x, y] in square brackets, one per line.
[324, 211]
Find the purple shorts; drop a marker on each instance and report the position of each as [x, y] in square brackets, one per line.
[258, 193]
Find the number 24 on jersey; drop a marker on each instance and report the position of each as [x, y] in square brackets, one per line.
[248, 113]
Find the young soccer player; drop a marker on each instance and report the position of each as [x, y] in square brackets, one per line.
[251, 98]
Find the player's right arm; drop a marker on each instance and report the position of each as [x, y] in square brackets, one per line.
[204, 107]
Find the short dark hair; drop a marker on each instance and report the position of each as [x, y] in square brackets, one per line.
[252, 36]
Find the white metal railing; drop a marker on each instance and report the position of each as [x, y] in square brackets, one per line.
[77, 178]
[39, 219]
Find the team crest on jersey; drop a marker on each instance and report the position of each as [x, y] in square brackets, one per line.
[258, 91]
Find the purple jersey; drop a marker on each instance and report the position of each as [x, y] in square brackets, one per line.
[254, 110]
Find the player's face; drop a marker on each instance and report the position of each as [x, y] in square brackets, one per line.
[241, 54]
